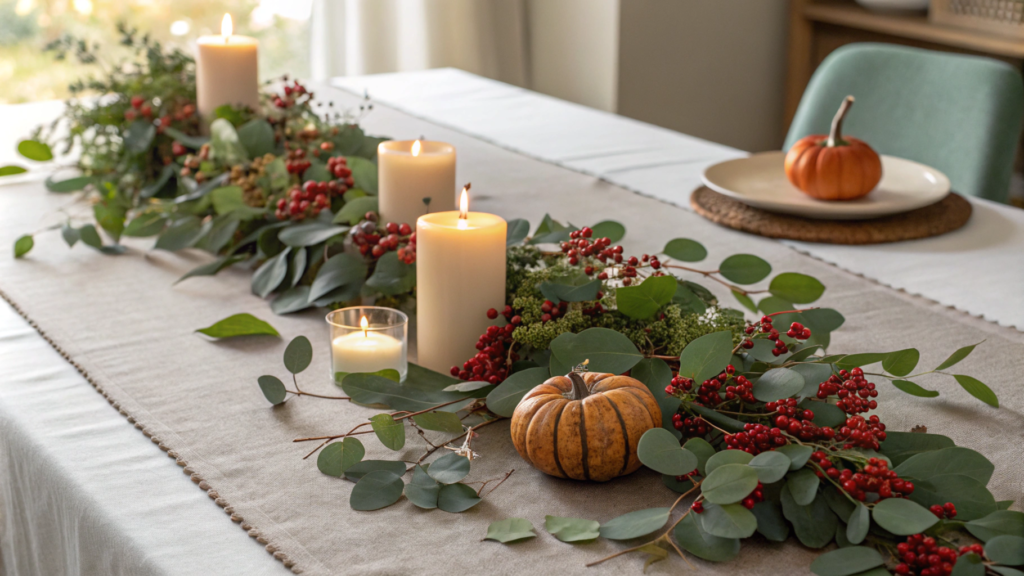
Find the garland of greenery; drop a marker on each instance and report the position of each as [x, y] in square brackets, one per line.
[760, 427]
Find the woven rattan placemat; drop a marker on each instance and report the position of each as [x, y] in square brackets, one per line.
[944, 216]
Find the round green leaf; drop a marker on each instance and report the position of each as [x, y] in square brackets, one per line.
[998, 523]
[239, 325]
[969, 565]
[390, 433]
[770, 522]
[814, 525]
[860, 521]
[797, 288]
[847, 561]
[729, 483]
[298, 355]
[685, 250]
[771, 466]
[901, 362]
[456, 498]
[728, 521]
[572, 529]
[978, 389]
[899, 446]
[777, 384]
[609, 229]
[422, 490]
[338, 457]
[273, 389]
[517, 231]
[726, 457]
[34, 150]
[703, 451]
[378, 489]
[952, 460]
[706, 356]
[803, 485]
[971, 498]
[659, 450]
[744, 268]
[642, 301]
[1006, 549]
[439, 422]
[692, 538]
[608, 350]
[510, 530]
[902, 517]
[797, 454]
[504, 399]
[364, 467]
[635, 524]
[1004, 571]
[449, 469]
[22, 245]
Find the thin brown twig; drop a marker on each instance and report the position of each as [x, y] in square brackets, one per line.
[301, 393]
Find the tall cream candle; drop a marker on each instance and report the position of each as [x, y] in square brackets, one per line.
[226, 71]
[409, 171]
[460, 274]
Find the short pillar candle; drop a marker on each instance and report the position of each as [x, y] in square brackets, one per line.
[410, 171]
[226, 71]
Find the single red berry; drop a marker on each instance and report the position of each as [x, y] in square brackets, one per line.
[137, 101]
[492, 313]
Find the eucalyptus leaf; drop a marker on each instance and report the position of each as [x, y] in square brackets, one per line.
[691, 537]
[257, 137]
[847, 561]
[180, 234]
[728, 521]
[778, 384]
[273, 389]
[364, 467]
[860, 522]
[364, 173]
[23, 245]
[139, 136]
[858, 360]
[510, 530]
[225, 147]
[146, 224]
[770, 522]
[558, 292]
[271, 274]
[354, 210]
[504, 399]
[1006, 549]
[243, 324]
[643, 300]
[745, 300]
[968, 565]
[913, 389]
[952, 460]
[449, 469]
[956, 357]
[11, 170]
[728, 484]
[971, 498]
[635, 524]
[608, 350]
[659, 450]
[392, 276]
[517, 231]
[725, 457]
[422, 490]
[291, 300]
[901, 362]
[902, 517]
[376, 490]
[899, 446]
[803, 485]
[610, 229]
[770, 466]
[797, 453]
[744, 269]
[310, 234]
[298, 354]
[68, 185]
[706, 356]
[390, 433]
[998, 523]
[374, 390]
[978, 389]
[685, 250]
[796, 288]
[70, 234]
[337, 457]
[702, 450]
[814, 524]
[439, 422]
[572, 529]
[456, 498]
[35, 150]
[342, 269]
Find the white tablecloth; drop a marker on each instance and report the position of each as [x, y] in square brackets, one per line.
[978, 269]
[78, 463]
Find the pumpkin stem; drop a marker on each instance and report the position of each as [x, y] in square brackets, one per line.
[835, 136]
[579, 387]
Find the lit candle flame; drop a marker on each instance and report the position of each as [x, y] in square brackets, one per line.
[364, 325]
[464, 203]
[226, 28]
[416, 148]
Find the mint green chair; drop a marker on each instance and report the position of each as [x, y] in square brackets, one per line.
[959, 114]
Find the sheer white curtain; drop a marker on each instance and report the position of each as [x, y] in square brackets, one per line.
[486, 37]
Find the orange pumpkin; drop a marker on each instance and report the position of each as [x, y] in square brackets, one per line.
[584, 427]
[834, 167]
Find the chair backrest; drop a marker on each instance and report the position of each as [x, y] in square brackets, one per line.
[959, 114]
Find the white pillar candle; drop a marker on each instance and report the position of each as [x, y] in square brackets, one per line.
[409, 171]
[226, 71]
[460, 274]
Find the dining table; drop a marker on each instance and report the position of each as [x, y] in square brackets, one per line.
[131, 445]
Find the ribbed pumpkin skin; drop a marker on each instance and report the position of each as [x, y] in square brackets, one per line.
[592, 439]
[843, 172]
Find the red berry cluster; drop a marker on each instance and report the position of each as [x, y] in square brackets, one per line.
[291, 93]
[307, 200]
[709, 392]
[756, 495]
[490, 364]
[922, 557]
[973, 549]
[141, 108]
[867, 433]
[688, 476]
[798, 421]
[875, 477]
[551, 311]
[580, 245]
[296, 162]
[755, 438]
[854, 391]
[394, 237]
[690, 427]
[944, 511]
[338, 165]
[764, 326]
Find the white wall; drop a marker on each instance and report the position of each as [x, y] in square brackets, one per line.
[574, 49]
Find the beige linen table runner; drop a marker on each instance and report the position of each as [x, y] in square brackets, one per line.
[125, 324]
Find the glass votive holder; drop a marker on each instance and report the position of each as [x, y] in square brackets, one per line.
[368, 339]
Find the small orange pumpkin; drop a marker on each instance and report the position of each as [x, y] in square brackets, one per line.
[834, 167]
[584, 427]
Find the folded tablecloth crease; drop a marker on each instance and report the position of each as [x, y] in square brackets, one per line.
[125, 323]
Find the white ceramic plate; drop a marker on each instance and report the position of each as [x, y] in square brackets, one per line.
[760, 181]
